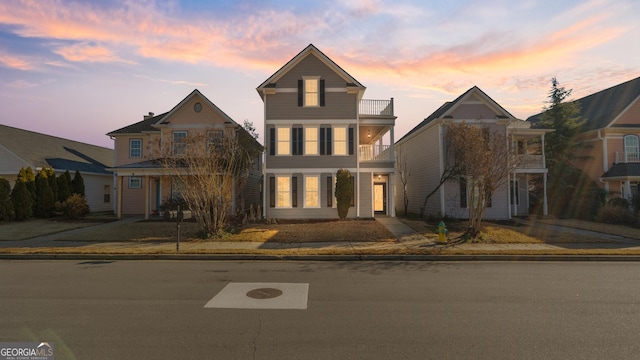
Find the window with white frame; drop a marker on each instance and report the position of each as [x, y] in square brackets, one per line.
[283, 191]
[631, 148]
[135, 182]
[312, 191]
[311, 141]
[311, 91]
[214, 139]
[283, 141]
[340, 141]
[179, 142]
[135, 148]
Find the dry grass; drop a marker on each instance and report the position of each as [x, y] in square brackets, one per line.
[38, 227]
[158, 231]
[620, 230]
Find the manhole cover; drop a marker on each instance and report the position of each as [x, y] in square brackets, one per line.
[264, 293]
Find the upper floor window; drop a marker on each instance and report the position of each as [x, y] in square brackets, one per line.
[135, 148]
[631, 144]
[311, 91]
[179, 142]
[214, 139]
[340, 141]
[311, 141]
[283, 137]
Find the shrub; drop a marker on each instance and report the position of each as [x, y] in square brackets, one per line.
[635, 203]
[612, 214]
[74, 207]
[22, 202]
[344, 192]
[618, 202]
[6, 206]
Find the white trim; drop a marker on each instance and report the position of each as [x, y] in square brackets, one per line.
[346, 141]
[131, 178]
[304, 91]
[278, 141]
[326, 90]
[317, 140]
[313, 122]
[290, 206]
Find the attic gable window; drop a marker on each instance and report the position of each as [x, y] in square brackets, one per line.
[311, 91]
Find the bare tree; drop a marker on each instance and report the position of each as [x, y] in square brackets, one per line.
[484, 162]
[402, 166]
[206, 168]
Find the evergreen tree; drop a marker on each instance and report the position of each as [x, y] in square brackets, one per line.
[22, 202]
[29, 179]
[77, 184]
[6, 206]
[44, 196]
[53, 182]
[344, 192]
[564, 118]
[64, 186]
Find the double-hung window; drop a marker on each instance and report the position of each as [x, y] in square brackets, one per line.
[214, 139]
[283, 146]
[631, 148]
[311, 91]
[179, 142]
[311, 141]
[283, 191]
[340, 141]
[135, 148]
[311, 191]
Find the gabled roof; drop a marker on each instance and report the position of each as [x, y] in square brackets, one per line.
[449, 106]
[40, 150]
[309, 50]
[164, 119]
[139, 127]
[601, 109]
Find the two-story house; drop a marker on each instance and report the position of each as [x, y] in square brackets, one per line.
[611, 135]
[143, 182]
[423, 151]
[316, 122]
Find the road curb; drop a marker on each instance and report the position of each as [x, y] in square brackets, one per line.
[355, 257]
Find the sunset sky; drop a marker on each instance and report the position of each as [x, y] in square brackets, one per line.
[79, 69]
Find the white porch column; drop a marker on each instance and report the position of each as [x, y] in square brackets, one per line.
[120, 181]
[627, 190]
[146, 197]
[545, 206]
[392, 146]
[391, 194]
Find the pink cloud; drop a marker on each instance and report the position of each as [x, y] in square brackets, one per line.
[15, 62]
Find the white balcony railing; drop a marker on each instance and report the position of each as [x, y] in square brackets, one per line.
[376, 107]
[529, 161]
[626, 157]
[375, 153]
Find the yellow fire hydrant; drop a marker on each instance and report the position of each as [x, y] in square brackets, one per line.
[442, 233]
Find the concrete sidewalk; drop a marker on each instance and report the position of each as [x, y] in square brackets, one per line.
[409, 242]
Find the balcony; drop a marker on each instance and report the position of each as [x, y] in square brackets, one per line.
[375, 153]
[376, 107]
[626, 157]
[529, 161]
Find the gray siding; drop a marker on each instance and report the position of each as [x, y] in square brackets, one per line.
[284, 106]
[310, 66]
[366, 195]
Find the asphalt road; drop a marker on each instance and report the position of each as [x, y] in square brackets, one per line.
[353, 310]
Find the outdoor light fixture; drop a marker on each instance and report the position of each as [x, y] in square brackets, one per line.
[369, 134]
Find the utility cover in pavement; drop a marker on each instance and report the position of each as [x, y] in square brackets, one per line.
[261, 296]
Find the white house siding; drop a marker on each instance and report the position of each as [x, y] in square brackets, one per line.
[422, 154]
[94, 188]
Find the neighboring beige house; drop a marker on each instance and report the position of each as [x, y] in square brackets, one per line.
[142, 182]
[316, 122]
[612, 135]
[424, 149]
[22, 148]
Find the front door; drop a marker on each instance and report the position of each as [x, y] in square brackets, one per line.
[380, 198]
